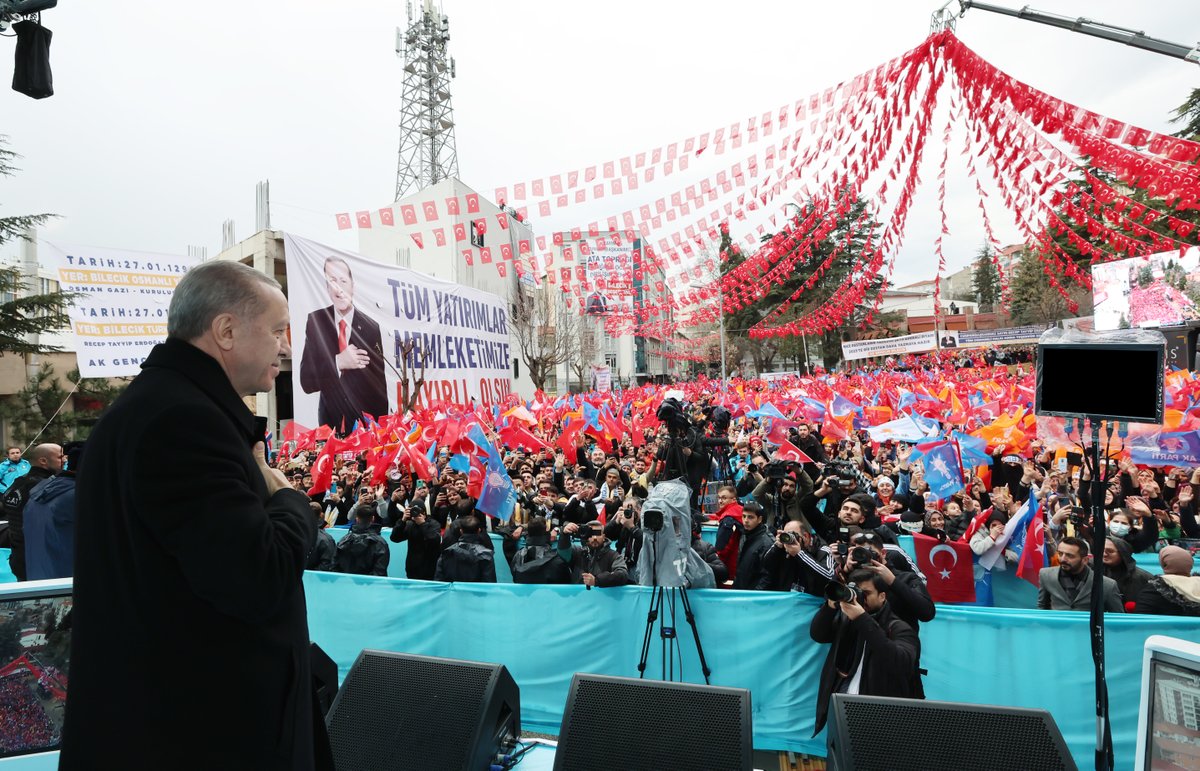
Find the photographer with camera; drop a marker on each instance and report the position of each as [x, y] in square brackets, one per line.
[781, 487]
[424, 539]
[791, 564]
[873, 653]
[625, 531]
[592, 563]
[908, 595]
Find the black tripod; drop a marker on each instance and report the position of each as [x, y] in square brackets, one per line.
[1104, 749]
[668, 634]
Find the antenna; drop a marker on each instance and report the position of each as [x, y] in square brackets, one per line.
[427, 153]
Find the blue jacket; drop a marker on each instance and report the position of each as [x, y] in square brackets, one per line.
[50, 528]
[9, 472]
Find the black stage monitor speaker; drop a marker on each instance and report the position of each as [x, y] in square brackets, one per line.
[876, 733]
[398, 711]
[1067, 384]
[631, 724]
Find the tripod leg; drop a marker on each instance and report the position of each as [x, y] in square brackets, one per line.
[691, 619]
[651, 617]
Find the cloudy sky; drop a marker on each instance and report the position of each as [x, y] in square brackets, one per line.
[167, 114]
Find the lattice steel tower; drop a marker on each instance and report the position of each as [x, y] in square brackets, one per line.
[427, 153]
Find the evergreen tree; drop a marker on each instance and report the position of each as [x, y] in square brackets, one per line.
[1033, 300]
[24, 314]
[985, 281]
[849, 239]
[43, 403]
[1189, 111]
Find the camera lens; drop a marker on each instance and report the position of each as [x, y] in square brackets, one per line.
[841, 592]
[862, 555]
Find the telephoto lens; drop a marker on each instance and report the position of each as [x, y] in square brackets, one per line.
[841, 592]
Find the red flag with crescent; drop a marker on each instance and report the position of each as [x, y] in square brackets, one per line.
[948, 568]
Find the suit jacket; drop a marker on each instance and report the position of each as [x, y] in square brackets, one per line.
[189, 623]
[1052, 595]
[343, 399]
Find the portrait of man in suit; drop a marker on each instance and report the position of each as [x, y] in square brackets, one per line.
[343, 355]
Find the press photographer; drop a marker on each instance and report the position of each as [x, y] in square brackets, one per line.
[781, 486]
[844, 507]
[591, 562]
[873, 653]
[864, 550]
[686, 450]
[625, 531]
[793, 564]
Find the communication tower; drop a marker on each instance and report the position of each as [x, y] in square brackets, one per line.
[427, 153]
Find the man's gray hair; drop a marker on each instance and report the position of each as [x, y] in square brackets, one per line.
[213, 288]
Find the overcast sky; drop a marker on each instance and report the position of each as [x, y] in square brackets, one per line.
[166, 114]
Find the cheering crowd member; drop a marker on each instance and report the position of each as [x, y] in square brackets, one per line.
[189, 573]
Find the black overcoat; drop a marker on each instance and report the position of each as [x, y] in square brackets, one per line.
[189, 640]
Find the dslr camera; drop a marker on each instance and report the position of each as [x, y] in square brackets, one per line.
[786, 538]
[841, 474]
[584, 533]
[843, 592]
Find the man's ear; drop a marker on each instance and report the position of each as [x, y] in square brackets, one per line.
[222, 330]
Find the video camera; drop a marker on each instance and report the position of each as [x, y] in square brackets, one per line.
[842, 473]
[776, 470]
[673, 414]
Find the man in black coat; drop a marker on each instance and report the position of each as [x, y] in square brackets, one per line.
[755, 541]
[424, 542]
[874, 653]
[189, 631]
[343, 356]
[45, 461]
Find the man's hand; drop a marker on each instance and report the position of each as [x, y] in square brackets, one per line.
[353, 358]
[571, 528]
[518, 532]
[274, 478]
[852, 610]
[397, 495]
[589, 580]
[881, 570]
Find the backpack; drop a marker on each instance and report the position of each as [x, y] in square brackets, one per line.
[539, 565]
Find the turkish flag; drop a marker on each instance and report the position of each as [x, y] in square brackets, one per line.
[430, 210]
[472, 203]
[502, 269]
[343, 221]
[387, 217]
[506, 251]
[408, 213]
[789, 451]
[418, 240]
[364, 219]
[948, 568]
[519, 191]
[538, 187]
[460, 231]
[544, 208]
[502, 218]
[485, 254]
[523, 246]
[439, 236]
[1033, 553]
[469, 256]
[452, 205]
[481, 226]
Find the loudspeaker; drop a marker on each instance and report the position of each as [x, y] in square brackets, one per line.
[325, 677]
[630, 724]
[398, 711]
[876, 732]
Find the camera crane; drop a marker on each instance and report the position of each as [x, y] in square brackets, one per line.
[944, 18]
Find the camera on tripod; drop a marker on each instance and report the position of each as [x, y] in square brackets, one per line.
[685, 433]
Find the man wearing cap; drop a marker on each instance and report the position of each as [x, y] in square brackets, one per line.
[1176, 592]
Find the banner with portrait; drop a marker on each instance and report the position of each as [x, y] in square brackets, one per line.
[609, 273]
[121, 311]
[357, 324]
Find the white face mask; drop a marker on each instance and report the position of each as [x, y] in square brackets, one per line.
[1119, 529]
[912, 527]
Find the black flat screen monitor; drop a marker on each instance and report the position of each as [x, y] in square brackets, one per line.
[35, 645]
[1104, 381]
[1173, 736]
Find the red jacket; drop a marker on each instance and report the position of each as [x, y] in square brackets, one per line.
[729, 553]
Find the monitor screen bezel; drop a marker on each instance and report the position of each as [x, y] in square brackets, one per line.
[1156, 658]
[1158, 349]
[35, 590]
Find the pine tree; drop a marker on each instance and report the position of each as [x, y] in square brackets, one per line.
[1189, 111]
[849, 237]
[985, 281]
[1033, 300]
[42, 406]
[23, 314]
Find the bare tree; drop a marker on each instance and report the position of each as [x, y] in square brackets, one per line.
[581, 345]
[412, 374]
[543, 346]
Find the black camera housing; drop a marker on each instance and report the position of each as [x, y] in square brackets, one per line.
[862, 555]
[652, 519]
[843, 592]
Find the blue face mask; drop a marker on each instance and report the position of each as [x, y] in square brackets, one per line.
[1119, 529]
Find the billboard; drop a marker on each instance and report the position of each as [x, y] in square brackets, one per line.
[122, 309]
[890, 346]
[352, 319]
[608, 270]
[1150, 291]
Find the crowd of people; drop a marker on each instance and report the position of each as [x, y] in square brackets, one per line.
[25, 726]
